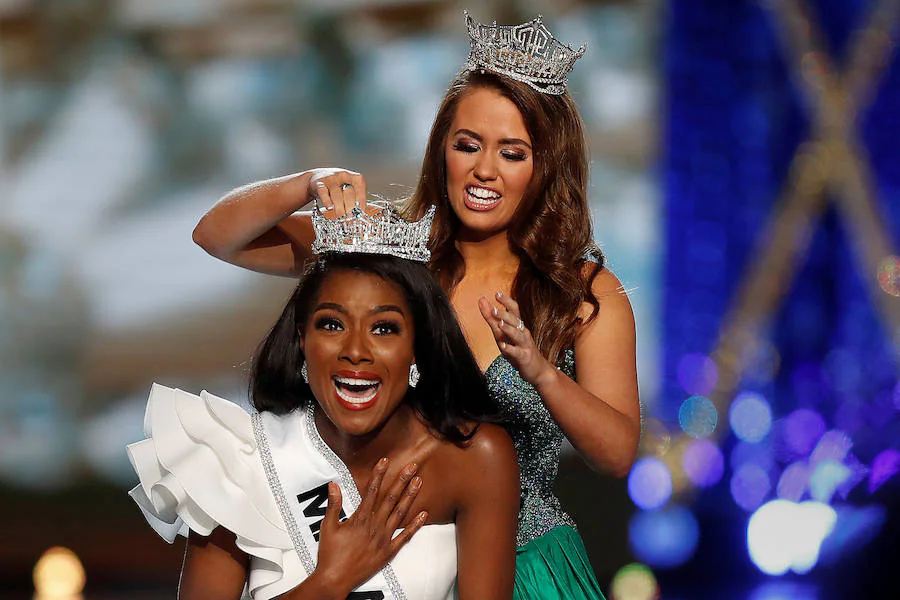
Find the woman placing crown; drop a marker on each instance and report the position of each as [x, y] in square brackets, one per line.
[506, 168]
[366, 370]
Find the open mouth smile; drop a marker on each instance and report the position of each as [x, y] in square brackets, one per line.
[481, 198]
[357, 391]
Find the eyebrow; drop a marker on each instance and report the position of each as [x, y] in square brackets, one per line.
[375, 309]
[471, 133]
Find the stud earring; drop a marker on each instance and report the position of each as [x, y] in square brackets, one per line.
[304, 372]
[413, 375]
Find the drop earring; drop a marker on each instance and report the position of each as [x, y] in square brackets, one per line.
[413, 375]
[304, 372]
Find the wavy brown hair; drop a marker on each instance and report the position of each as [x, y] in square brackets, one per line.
[551, 231]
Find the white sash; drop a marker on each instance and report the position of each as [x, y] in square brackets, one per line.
[299, 465]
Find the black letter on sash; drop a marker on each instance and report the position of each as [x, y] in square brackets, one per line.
[366, 596]
[316, 508]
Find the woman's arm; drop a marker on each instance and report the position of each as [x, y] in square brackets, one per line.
[600, 414]
[214, 567]
[256, 226]
[487, 516]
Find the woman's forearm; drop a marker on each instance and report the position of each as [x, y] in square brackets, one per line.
[607, 438]
[246, 213]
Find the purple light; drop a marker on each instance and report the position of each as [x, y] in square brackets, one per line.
[697, 374]
[664, 538]
[858, 472]
[750, 417]
[757, 454]
[834, 445]
[649, 483]
[703, 462]
[749, 486]
[698, 416]
[897, 396]
[885, 466]
[802, 429]
[793, 482]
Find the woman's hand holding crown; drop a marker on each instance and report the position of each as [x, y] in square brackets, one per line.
[338, 190]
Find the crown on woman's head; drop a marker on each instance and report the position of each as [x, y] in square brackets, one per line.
[384, 232]
[528, 53]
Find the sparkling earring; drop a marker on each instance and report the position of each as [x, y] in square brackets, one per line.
[413, 375]
[304, 372]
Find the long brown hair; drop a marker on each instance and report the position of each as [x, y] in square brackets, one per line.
[551, 231]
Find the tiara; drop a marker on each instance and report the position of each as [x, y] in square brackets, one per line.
[384, 232]
[528, 53]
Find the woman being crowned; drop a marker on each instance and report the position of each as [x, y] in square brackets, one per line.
[368, 470]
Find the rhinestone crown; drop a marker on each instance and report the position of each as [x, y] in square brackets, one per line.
[528, 53]
[384, 232]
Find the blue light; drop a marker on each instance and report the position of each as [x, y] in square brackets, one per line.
[649, 483]
[826, 478]
[698, 416]
[750, 417]
[664, 538]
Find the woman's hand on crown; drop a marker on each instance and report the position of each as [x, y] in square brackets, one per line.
[338, 190]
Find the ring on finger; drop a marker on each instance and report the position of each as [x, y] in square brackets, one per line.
[521, 325]
[346, 186]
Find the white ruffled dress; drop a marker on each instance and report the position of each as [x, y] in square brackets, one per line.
[203, 466]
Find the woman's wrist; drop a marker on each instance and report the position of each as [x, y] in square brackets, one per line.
[318, 586]
[295, 191]
[546, 379]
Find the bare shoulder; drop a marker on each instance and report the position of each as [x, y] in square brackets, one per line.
[491, 442]
[611, 294]
[489, 449]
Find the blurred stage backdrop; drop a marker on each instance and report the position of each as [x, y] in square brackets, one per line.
[745, 187]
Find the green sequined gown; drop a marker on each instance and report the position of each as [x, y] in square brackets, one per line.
[551, 562]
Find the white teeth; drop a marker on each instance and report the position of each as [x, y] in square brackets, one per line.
[355, 399]
[359, 382]
[482, 193]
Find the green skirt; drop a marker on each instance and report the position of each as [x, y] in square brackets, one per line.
[555, 567]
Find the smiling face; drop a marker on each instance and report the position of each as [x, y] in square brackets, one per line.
[358, 342]
[489, 161]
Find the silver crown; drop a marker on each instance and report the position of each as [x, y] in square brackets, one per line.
[528, 53]
[384, 232]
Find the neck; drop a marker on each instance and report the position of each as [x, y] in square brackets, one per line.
[487, 254]
[363, 451]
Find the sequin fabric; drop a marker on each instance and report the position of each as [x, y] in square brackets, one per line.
[538, 441]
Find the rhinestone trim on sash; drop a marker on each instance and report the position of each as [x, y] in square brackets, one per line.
[265, 454]
[348, 484]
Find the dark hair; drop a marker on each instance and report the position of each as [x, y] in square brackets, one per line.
[551, 231]
[452, 392]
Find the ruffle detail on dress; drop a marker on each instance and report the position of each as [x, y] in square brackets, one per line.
[200, 468]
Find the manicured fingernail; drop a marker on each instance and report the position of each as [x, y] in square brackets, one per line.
[422, 516]
[502, 323]
[495, 311]
[499, 294]
[384, 461]
[415, 483]
[411, 468]
[503, 345]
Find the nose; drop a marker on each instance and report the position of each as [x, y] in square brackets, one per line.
[356, 349]
[486, 167]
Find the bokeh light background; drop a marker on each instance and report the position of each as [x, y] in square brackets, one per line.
[767, 337]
